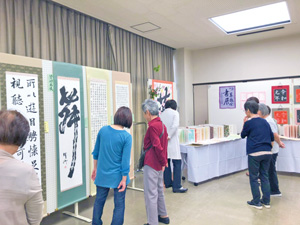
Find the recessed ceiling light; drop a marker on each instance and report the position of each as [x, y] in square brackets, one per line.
[260, 17]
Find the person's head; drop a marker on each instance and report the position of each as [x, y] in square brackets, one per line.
[251, 107]
[253, 99]
[269, 109]
[150, 109]
[171, 104]
[123, 117]
[14, 128]
[263, 110]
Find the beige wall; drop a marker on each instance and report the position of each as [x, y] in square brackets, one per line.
[254, 60]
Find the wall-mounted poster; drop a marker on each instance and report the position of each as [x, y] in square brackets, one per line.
[22, 95]
[297, 116]
[261, 95]
[165, 92]
[69, 134]
[281, 115]
[297, 94]
[280, 94]
[227, 99]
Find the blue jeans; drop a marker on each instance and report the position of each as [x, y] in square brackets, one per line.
[176, 183]
[119, 200]
[274, 186]
[258, 168]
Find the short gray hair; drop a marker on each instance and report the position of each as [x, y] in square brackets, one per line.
[151, 106]
[263, 109]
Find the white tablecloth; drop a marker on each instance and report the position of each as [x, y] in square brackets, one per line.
[209, 161]
[288, 159]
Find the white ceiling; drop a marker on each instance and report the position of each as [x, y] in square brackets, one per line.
[184, 23]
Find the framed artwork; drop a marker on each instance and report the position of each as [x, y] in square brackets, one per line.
[297, 116]
[227, 97]
[261, 95]
[281, 94]
[297, 94]
[165, 92]
[281, 115]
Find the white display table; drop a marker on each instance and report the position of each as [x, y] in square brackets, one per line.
[288, 159]
[209, 161]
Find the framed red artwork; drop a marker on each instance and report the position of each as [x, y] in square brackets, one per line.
[297, 94]
[281, 94]
[281, 115]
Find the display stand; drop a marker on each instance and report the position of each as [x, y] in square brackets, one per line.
[133, 181]
[76, 215]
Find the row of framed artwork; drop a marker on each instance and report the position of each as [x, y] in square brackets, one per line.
[280, 95]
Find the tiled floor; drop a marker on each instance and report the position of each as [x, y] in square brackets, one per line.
[217, 202]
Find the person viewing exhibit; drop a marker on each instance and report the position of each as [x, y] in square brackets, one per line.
[154, 164]
[170, 117]
[21, 200]
[111, 165]
[264, 112]
[259, 144]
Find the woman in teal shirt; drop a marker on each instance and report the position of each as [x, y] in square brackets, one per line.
[111, 165]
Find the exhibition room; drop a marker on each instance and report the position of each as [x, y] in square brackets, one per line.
[150, 112]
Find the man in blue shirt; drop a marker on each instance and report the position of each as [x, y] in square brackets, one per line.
[259, 144]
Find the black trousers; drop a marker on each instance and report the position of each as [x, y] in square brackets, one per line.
[176, 182]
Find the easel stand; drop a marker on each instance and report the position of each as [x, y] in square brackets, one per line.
[76, 215]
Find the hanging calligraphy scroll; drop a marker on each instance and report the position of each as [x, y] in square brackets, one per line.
[165, 92]
[280, 94]
[69, 110]
[227, 97]
[22, 95]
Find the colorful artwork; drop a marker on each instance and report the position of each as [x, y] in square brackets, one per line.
[227, 98]
[297, 116]
[22, 95]
[69, 126]
[165, 92]
[245, 95]
[280, 94]
[297, 94]
[281, 115]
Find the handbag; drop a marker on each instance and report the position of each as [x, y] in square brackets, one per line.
[144, 151]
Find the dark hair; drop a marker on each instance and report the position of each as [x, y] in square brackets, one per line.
[123, 117]
[252, 106]
[171, 104]
[269, 109]
[253, 99]
[14, 128]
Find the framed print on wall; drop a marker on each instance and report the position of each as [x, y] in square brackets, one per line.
[281, 94]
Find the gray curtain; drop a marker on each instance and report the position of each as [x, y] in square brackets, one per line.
[46, 30]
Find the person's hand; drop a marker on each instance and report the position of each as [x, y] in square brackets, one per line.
[281, 144]
[122, 186]
[94, 173]
[167, 165]
[245, 119]
[169, 138]
[163, 168]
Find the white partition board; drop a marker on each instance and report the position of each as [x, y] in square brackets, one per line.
[50, 140]
[235, 116]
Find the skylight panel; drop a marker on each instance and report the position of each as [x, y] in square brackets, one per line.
[264, 16]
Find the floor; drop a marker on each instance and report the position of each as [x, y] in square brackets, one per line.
[220, 201]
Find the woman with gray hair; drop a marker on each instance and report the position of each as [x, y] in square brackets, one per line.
[156, 141]
[264, 112]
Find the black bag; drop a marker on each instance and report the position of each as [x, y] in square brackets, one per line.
[143, 151]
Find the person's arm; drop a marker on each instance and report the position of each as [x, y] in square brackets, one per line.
[34, 204]
[277, 139]
[245, 131]
[125, 164]
[174, 126]
[155, 141]
[95, 154]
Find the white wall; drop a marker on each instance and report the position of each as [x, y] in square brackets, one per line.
[264, 59]
[184, 85]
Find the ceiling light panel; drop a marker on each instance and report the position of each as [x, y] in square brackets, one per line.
[260, 17]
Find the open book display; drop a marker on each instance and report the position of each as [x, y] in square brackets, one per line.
[207, 134]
